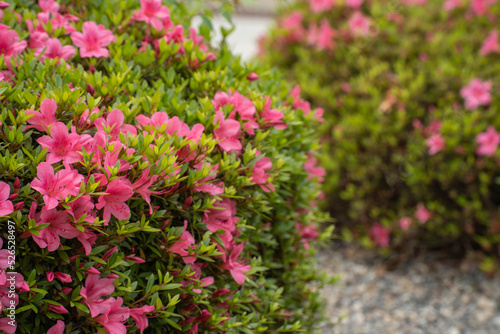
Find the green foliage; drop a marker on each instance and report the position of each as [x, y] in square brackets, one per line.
[145, 76]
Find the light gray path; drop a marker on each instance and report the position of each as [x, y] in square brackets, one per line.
[426, 295]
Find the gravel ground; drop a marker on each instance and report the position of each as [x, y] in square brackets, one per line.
[426, 295]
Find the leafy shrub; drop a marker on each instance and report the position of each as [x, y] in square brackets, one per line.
[409, 90]
[149, 183]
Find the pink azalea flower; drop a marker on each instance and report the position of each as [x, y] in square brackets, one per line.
[4, 257]
[7, 327]
[95, 288]
[118, 192]
[221, 218]
[259, 175]
[108, 254]
[240, 106]
[181, 246]
[227, 134]
[298, 103]
[312, 170]
[252, 76]
[65, 278]
[204, 185]
[307, 233]
[435, 143]
[194, 329]
[48, 6]
[476, 93]
[204, 282]
[6, 207]
[490, 44]
[156, 120]
[199, 41]
[488, 142]
[58, 309]
[482, 7]
[5, 288]
[141, 321]
[354, 3]
[114, 316]
[56, 21]
[58, 227]
[61, 145]
[321, 38]
[53, 49]
[243, 106]
[114, 124]
[236, 269]
[38, 39]
[326, 35]
[135, 259]
[142, 185]
[405, 223]
[422, 214]
[359, 24]
[176, 36]
[58, 328]
[380, 235]
[312, 33]
[9, 44]
[153, 13]
[450, 5]
[162, 123]
[318, 6]
[3, 5]
[83, 205]
[434, 127]
[292, 23]
[110, 160]
[92, 271]
[41, 120]
[293, 20]
[55, 188]
[93, 41]
[272, 117]
[87, 239]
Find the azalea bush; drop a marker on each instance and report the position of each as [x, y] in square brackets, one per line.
[410, 92]
[150, 183]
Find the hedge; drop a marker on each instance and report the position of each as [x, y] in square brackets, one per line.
[150, 182]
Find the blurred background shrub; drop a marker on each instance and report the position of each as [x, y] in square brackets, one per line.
[410, 92]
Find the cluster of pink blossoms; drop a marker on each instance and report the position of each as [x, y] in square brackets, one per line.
[65, 148]
[94, 39]
[318, 33]
[477, 93]
[381, 234]
[55, 186]
[322, 37]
